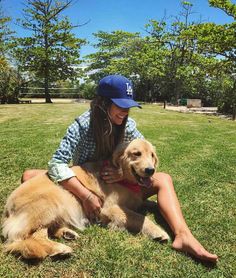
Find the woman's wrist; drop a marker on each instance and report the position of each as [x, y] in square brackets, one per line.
[76, 187]
[89, 197]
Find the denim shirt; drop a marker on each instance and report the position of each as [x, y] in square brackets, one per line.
[78, 146]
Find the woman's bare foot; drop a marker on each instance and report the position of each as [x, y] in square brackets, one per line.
[186, 242]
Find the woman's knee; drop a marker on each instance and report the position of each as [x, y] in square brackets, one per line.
[27, 174]
[30, 173]
[162, 180]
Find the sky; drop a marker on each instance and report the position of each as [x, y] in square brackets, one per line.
[111, 15]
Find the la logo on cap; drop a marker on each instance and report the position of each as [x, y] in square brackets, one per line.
[129, 89]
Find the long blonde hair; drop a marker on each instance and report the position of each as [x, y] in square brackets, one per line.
[106, 135]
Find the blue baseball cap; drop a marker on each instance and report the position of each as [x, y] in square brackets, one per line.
[119, 89]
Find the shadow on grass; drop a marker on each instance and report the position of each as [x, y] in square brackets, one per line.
[152, 207]
[149, 207]
[35, 262]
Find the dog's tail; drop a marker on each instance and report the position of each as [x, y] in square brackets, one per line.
[37, 246]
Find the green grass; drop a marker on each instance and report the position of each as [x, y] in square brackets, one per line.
[199, 152]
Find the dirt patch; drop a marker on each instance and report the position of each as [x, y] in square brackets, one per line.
[200, 110]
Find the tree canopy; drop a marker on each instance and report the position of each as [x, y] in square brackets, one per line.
[51, 51]
[174, 58]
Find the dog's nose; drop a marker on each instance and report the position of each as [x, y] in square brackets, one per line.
[149, 171]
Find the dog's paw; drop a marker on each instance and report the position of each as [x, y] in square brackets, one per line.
[159, 235]
[116, 226]
[66, 233]
[60, 249]
[156, 233]
[70, 235]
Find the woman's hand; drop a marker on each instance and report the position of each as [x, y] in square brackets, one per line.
[92, 206]
[111, 174]
[90, 202]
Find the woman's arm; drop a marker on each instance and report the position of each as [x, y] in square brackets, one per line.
[59, 171]
[58, 168]
[91, 203]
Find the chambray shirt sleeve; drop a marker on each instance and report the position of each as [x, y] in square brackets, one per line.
[58, 168]
[131, 132]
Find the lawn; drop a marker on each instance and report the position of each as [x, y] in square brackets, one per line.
[198, 151]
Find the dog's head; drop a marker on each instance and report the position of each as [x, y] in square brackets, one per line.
[138, 161]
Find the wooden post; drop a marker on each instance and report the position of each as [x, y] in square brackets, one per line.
[234, 113]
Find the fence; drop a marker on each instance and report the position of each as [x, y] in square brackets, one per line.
[38, 92]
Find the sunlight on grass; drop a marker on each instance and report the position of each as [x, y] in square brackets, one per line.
[197, 150]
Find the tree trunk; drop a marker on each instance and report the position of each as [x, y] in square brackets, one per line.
[234, 113]
[234, 101]
[46, 70]
[164, 104]
[46, 86]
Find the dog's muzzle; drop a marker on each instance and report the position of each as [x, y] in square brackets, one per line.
[146, 180]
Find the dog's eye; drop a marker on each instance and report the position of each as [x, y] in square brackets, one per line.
[152, 155]
[137, 153]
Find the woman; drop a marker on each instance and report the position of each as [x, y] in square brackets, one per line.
[93, 136]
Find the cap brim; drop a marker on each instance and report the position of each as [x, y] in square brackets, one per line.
[125, 103]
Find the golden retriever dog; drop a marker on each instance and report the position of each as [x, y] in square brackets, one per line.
[39, 208]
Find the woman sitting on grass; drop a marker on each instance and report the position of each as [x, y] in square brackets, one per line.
[94, 136]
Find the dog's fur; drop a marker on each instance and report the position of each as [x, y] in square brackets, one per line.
[38, 207]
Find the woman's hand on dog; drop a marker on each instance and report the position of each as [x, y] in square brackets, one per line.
[92, 206]
[111, 174]
[90, 202]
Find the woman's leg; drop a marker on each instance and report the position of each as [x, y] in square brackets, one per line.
[170, 209]
[28, 174]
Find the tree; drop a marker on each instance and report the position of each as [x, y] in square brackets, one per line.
[227, 6]
[10, 83]
[159, 63]
[109, 49]
[216, 40]
[143, 63]
[9, 77]
[171, 62]
[5, 33]
[180, 55]
[51, 51]
[138, 58]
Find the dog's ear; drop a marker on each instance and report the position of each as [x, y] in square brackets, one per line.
[118, 153]
[156, 159]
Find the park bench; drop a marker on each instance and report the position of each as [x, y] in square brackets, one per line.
[24, 101]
